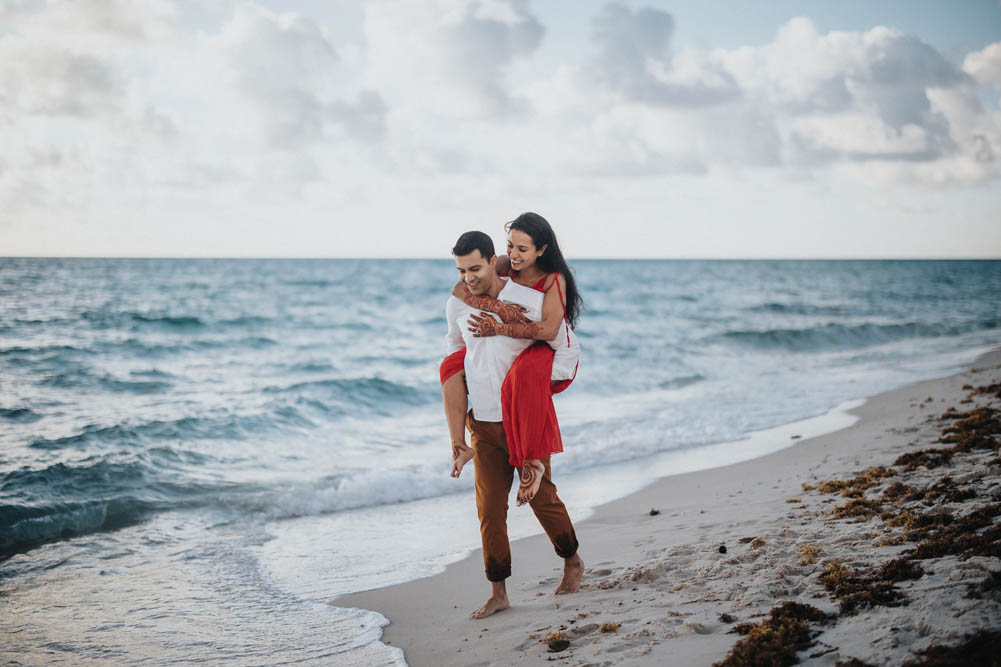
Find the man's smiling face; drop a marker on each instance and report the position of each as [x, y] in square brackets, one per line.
[477, 272]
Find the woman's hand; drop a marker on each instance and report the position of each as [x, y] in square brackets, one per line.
[508, 312]
[482, 326]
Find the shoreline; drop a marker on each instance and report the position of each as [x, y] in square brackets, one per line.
[643, 570]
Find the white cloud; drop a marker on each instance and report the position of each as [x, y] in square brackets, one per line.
[450, 57]
[804, 100]
[985, 65]
[139, 124]
[634, 60]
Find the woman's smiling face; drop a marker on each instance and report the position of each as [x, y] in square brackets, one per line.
[521, 250]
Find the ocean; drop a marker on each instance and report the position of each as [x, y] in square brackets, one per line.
[197, 456]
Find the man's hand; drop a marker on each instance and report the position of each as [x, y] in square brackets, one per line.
[461, 455]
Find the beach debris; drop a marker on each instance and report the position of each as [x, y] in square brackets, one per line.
[722, 548]
[794, 500]
[795, 437]
[856, 487]
[929, 458]
[727, 618]
[991, 389]
[776, 640]
[757, 543]
[557, 645]
[976, 429]
[745, 540]
[654, 512]
[855, 590]
[808, 553]
[860, 509]
[609, 627]
[807, 487]
[553, 635]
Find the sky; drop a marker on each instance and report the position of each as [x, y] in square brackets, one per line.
[386, 128]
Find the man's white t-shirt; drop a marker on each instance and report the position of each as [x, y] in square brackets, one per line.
[489, 358]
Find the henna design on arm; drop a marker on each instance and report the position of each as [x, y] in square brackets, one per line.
[484, 325]
[509, 312]
[532, 330]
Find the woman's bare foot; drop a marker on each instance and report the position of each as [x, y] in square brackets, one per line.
[573, 574]
[531, 479]
[497, 602]
[461, 455]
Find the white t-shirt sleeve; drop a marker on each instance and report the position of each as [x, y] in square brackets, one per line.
[453, 339]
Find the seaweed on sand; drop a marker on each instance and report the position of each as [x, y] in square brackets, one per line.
[858, 508]
[972, 430]
[777, 639]
[856, 487]
[929, 458]
[964, 537]
[854, 589]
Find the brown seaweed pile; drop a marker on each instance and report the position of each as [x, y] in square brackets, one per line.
[973, 430]
[777, 639]
[859, 589]
[928, 524]
[856, 487]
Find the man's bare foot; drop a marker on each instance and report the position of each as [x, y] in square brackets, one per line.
[531, 479]
[573, 574]
[461, 455]
[497, 602]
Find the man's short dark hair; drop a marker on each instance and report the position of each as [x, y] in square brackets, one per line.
[471, 241]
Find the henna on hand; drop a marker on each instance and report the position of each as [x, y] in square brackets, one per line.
[509, 312]
[482, 325]
[531, 330]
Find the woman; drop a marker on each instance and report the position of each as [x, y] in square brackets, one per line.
[530, 422]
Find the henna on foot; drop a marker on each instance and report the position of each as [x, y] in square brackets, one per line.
[532, 472]
[573, 575]
[461, 455]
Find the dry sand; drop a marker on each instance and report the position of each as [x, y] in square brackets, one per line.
[659, 591]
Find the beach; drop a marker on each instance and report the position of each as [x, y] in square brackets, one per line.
[673, 569]
[198, 456]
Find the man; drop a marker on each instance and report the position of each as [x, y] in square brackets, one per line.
[487, 361]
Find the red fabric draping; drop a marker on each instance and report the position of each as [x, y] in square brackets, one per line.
[530, 423]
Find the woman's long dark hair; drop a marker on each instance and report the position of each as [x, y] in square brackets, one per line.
[551, 261]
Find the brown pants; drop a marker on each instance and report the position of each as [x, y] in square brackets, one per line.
[494, 475]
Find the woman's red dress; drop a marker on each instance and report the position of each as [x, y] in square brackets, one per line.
[530, 424]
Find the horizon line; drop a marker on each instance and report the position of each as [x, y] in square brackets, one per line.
[915, 258]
